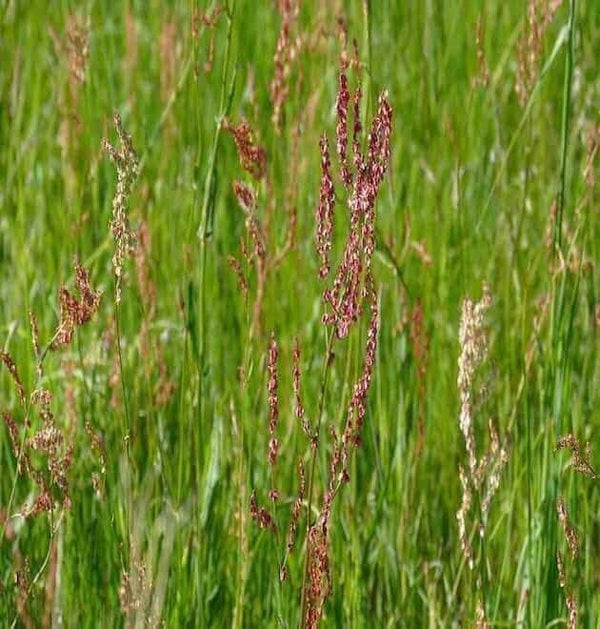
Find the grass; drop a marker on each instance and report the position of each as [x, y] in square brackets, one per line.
[164, 397]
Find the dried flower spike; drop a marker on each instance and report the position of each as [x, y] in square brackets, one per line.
[568, 530]
[473, 351]
[127, 164]
[75, 312]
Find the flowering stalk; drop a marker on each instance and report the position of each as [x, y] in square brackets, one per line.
[352, 284]
[481, 479]
[344, 299]
[127, 164]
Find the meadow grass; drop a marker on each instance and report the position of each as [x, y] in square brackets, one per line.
[127, 497]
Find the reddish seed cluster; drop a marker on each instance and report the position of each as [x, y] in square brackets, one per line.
[318, 588]
[49, 442]
[260, 515]
[296, 374]
[296, 509]
[253, 158]
[245, 195]
[285, 54]
[75, 312]
[343, 99]
[247, 199]
[272, 389]
[236, 267]
[14, 374]
[357, 408]
[357, 127]
[257, 237]
[324, 233]
[345, 296]
[23, 463]
[337, 473]
[35, 342]
[208, 19]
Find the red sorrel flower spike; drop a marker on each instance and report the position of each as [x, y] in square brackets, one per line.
[253, 158]
[245, 195]
[272, 389]
[297, 508]
[345, 296]
[296, 375]
[379, 141]
[341, 131]
[357, 408]
[325, 208]
[14, 374]
[75, 312]
[357, 129]
[260, 515]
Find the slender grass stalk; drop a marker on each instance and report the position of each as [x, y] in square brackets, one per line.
[204, 233]
[563, 37]
[126, 425]
[565, 124]
[209, 193]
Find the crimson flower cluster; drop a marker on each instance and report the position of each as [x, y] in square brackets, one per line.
[345, 296]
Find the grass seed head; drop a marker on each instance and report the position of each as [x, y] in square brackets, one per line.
[126, 162]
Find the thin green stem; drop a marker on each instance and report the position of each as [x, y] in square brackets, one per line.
[565, 124]
[126, 421]
[208, 200]
[560, 333]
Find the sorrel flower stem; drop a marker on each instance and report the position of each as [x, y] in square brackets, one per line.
[315, 446]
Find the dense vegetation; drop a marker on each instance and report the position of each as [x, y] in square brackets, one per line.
[194, 432]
